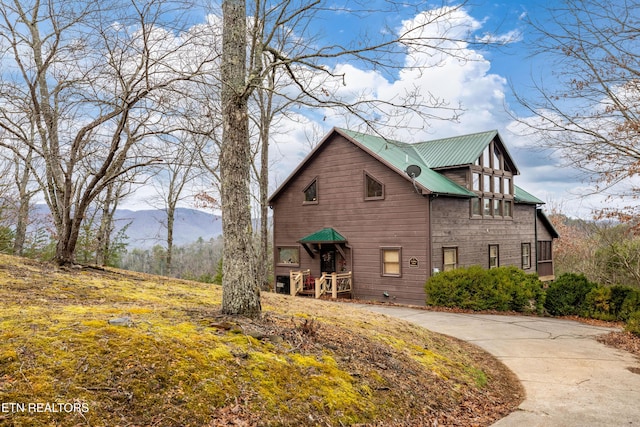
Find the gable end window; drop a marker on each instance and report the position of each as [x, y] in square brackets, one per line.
[390, 261]
[491, 180]
[311, 193]
[373, 189]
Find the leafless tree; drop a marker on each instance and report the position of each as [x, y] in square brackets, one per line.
[178, 172]
[587, 106]
[98, 78]
[107, 204]
[281, 38]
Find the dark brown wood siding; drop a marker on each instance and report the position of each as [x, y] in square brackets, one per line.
[453, 227]
[459, 175]
[543, 231]
[545, 266]
[401, 219]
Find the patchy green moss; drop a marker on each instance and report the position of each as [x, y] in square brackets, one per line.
[177, 364]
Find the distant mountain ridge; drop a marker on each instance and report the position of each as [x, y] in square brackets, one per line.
[147, 228]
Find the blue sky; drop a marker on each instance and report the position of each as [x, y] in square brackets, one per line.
[483, 87]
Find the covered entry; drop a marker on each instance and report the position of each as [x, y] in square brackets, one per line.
[331, 261]
[330, 249]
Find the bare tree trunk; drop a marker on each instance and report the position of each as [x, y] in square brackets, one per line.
[106, 226]
[263, 269]
[240, 291]
[266, 118]
[24, 202]
[171, 218]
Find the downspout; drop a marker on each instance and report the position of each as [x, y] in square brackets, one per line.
[535, 231]
[430, 236]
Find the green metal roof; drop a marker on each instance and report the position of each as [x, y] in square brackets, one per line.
[455, 151]
[326, 235]
[522, 196]
[399, 155]
[440, 153]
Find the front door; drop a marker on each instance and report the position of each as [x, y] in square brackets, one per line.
[328, 260]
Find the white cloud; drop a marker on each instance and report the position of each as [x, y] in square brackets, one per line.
[465, 79]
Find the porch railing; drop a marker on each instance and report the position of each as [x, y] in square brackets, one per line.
[297, 280]
[334, 283]
[328, 283]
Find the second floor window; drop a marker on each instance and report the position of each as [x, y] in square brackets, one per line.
[374, 190]
[311, 192]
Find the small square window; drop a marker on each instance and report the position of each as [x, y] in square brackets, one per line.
[391, 261]
[288, 255]
[311, 192]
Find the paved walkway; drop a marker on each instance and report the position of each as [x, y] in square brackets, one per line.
[570, 379]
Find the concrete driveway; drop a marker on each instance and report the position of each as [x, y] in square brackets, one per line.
[570, 379]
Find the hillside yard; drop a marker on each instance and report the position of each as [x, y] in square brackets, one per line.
[89, 347]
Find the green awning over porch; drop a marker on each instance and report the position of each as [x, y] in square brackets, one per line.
[326, 235]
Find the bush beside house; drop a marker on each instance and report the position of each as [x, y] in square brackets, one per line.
[511, 289]
[475, 288]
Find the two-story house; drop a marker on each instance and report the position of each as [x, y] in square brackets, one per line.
[394, 213]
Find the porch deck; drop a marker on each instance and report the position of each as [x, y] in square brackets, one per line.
[334, 284]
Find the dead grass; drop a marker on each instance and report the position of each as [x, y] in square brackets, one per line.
[179, 362]
[622, 340]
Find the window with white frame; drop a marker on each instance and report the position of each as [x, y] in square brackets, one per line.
[526, 256]
[494, 256]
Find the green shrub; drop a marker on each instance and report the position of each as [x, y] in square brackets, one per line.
[475, 288]
[630, 304]
[598, 304]
[618, 295]
[633, 323]
[567, 295]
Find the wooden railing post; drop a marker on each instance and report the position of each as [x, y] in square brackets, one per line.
[318, 290]
[334, 285]
[292, 283]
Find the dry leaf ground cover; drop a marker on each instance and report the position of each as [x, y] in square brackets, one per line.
[112, 348]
